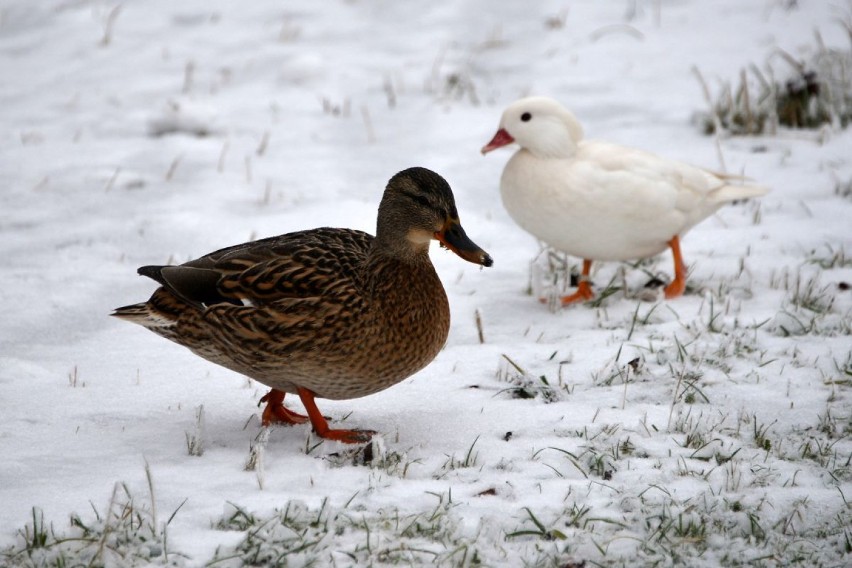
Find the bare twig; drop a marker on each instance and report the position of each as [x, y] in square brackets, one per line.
[749, 118]
[616, 28]
[111, 181]
[264, 143]
[173, 167]
[389, 92]
[220, 167]
[188, 75]
[717, 123]
[368, 124]
[109, 23]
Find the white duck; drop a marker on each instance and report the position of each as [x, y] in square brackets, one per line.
[601, 201]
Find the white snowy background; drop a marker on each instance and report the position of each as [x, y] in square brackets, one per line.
[152, 132]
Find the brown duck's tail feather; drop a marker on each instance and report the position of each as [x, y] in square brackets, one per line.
[143, 315]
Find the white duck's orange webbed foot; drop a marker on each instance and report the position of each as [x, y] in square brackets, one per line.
[276, 413]
[584, 293]
[675, 289]
[678, 285]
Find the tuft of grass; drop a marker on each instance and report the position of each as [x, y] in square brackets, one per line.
[809, 307]
[375, 456]
[813, 93]
[524, 385]
[195, 441]
[303, 536]
[471, 459]
[254, 461]
[761, 439]
[600, 464]
[236, 518]
[827, 257]
[36, 536]
[126, 534]
[843, 188]
[74, 378]
[807, 294]
[539, 529]
[570, 456]
[342, 109]
[452, 77]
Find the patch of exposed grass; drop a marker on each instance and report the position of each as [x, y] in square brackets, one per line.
[470, 459]
[376, 456]
[126, 533]
[524, 385]
[350, 535]
[793, 94]
[809, 307]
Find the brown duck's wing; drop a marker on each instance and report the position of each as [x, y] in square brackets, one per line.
[305, 264]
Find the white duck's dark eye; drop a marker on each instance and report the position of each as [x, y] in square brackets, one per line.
[526, 117]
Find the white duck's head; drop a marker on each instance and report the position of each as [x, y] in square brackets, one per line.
[540, 125]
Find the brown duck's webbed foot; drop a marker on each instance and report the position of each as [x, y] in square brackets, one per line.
[320, 424]
[276, 413]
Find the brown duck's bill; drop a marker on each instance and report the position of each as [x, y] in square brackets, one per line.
[453, 237]
[502, 138]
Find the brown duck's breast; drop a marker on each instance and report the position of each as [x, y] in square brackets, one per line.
[407, 328]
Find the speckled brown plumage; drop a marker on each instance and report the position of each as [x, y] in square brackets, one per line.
[333, 313]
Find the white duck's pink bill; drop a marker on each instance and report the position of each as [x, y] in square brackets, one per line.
[502, 138]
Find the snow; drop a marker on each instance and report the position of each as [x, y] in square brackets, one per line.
[144, 133]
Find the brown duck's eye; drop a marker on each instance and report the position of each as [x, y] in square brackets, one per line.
[421, 199]
[526, 117]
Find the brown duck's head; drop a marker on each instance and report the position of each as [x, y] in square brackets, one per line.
[418, 206]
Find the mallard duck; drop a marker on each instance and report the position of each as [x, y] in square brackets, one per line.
[601, 201]
[330, 313]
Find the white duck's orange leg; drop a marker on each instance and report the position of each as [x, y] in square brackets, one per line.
[276, 413]
[320, 424]
[584, 288]
[678, 285]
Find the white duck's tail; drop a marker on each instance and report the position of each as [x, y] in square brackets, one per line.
[727, 191]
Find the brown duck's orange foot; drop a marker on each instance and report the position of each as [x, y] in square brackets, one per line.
[320, 424]
[276, 413]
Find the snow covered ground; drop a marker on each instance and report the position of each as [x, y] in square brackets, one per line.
[713, 429]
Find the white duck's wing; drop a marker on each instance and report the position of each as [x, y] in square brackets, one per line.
[696, 193]
[695, 186]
